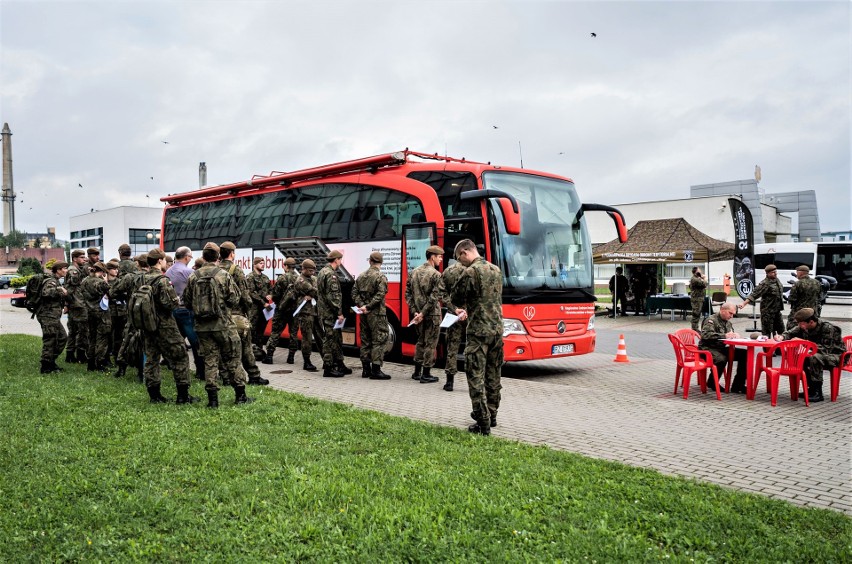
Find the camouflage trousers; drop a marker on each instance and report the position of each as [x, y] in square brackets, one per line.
[454, 339]
[428, 332]
[817, 364]
[332, 343]
[132, 347]
[167, 342]
[78, 330]
[697, 306]
[100, 329]
[247, 359]
[306, 326]
[771, 322]
[258, 322]
[483, 357]
[374, 337]
[222, 347]
[285, 319]
[53, 337]
[117, 333]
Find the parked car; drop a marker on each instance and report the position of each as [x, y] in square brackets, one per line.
[19, 297]
[6, 280]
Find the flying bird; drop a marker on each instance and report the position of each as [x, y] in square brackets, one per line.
[495, 127]
[80, 185]
[165, 142]
[594, 34]
[152, 178]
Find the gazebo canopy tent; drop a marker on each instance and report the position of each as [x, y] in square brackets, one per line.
[662, 241]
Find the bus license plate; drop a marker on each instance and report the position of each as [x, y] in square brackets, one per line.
[562, 349]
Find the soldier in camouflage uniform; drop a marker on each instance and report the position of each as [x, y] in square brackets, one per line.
[282, 295]
[481, 288]
[829, 348]
[369, 293]
[117, 312]
[770, 292]
[697, 285]
[166, 341]
[423, 292]
[218, 336]
[78, 320]
[330, 311]
[94, 257]
[131, 349]
[118, 300]
[49, 314]
[305, 292]
[259, 292]
[716, 328]
[93, 289]
[456, 331]
[239, 314]
[805, 293]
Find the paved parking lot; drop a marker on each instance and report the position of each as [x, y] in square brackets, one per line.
[622, 411]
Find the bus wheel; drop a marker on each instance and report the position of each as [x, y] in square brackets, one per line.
[394, 346]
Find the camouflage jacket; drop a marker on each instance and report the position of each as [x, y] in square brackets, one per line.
[52, 299]
[258, 288]
[712, 332]
[240, 280]
[282, 285]
[126, 266]
[165, 297]
[330, 297]
[481, 289]
[424, 290]
[92, 291]
[826, 336]
[305, 286]
[230, 298]
[370, 290]
[805, 293]
[770, 293]
[696, 287]
[451, 276]
[125, 285]
[73, 278]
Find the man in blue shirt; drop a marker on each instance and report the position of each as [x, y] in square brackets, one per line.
[179, 274]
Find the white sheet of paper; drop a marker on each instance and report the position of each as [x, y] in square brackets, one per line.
[410, 324]
[313, 302]
[339, 324]
[268, 312]
[357, 310]
[298, 309]
[105, 303]
[449, 319]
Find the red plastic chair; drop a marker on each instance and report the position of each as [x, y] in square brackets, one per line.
[793, 355]
[691, 337]
[690, 359]
[844, 366]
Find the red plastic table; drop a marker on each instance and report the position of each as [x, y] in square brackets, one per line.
[751, 346]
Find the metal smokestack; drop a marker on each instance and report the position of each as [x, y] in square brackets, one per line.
[202, 175]
[8, 185]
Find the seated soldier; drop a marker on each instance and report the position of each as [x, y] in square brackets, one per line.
[716, 328]
[829, 347]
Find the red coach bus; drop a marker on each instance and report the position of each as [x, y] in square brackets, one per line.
[531, 224]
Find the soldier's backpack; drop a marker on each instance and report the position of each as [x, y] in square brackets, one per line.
[141, 309]
[34, 287]
[207, 296]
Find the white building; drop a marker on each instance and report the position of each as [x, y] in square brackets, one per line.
[107, 229]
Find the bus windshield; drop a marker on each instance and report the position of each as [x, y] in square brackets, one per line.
[553, 250]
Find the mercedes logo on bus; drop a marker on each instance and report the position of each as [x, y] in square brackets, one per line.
[560, 327]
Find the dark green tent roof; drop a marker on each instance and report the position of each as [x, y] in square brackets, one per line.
[664, 240]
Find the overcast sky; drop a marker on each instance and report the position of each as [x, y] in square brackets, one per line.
[668, 95]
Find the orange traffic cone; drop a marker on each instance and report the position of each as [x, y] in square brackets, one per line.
[621, 354]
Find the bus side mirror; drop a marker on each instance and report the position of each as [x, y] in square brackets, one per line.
[511, 218]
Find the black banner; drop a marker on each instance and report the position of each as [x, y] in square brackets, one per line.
[743, 247]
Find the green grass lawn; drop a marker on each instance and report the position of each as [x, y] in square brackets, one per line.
[92, 471]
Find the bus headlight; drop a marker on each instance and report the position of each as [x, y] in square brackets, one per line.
[591, 324]
[513, 327]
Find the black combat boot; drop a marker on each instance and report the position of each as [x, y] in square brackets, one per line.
[308, 365]
[451, 378]
[343, 369]
[46, 367]
[493, 418]
[258, 381]
[366, 369]
[81, 357]
[426, 377]
[122, 370]
[815, 393]
[378, 374]
[291, 357]
[183, 395]
[479, 429]
[417, 371]
[91, 365]
[55, 367]
[212, 399]
[69, 357]
[331, 371]
[258, 353]
[240, 395]
[268, 358]
[156, 397]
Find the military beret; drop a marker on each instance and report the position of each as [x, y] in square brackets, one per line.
[93, 251]
[58, 266]
[228, 246]
[802, 268]
[124, 249]
[258, 260]
[803, 314]
[435, 250]
[770, 268]
[334, 255]
[308, 263]
[211, 246]
[156, 254]
[376, 256]
[290, 260]
[112, 265]
[99, 266]
[77, 253]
